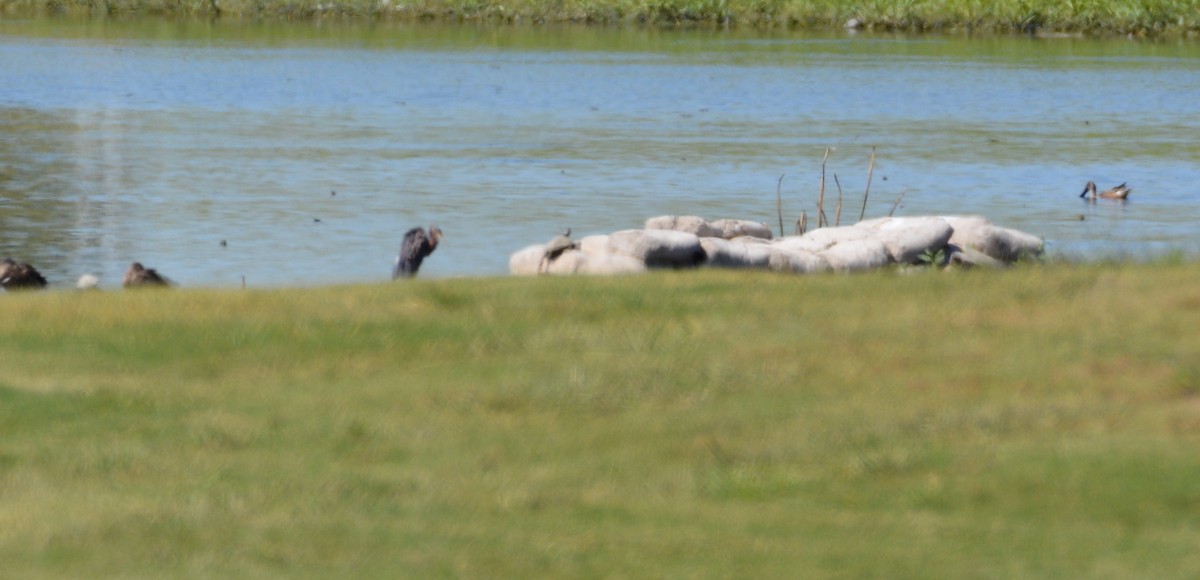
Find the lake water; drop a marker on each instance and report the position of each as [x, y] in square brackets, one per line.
[154, 141]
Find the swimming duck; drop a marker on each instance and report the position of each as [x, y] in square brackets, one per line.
[1118, 192]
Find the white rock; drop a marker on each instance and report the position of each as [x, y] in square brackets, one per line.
[658, 248]
[577, 262]
[1004, 244]
[857, 255]
[907, 238]
[687, 223]
[594, 245]
[613, 264]
[797, 261]
[969, 258]
[876, 223]
[822, 239]
[722, 253]
[1011, 245]
[568, 262]
[726, 229]
[88, 282]
[732, 228]
[527, 261]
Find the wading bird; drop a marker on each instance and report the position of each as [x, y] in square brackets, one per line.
[1118, 192]
[139, 276]
[20, 276]
[417, 245]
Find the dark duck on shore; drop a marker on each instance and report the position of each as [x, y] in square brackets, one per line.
[1119, 192]
[418, 244]
[20, 276]
[139, 276]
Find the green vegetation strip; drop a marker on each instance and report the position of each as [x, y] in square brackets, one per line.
[1035, 422]
[1152, 17]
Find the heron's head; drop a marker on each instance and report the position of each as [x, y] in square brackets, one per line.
[1090, 188]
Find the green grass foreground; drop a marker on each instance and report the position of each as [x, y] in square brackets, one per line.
[1035, 422]
[1142, 17]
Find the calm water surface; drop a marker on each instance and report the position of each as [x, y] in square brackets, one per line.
[154, 141]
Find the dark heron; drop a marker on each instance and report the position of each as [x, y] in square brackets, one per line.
[20, 276]
[139, 276]
[417, 245]
[1118, 192]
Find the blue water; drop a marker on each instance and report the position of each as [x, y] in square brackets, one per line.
[124, 142]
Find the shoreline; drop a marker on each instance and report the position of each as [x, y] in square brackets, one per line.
[1043, 18]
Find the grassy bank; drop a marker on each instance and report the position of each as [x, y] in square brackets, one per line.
[1156, 17]
[1038, 422]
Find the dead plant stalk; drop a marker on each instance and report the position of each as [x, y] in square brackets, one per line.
[867, 192]
[821, 221]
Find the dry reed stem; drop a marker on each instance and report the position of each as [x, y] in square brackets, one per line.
[867, 193]
[779, 202]
[837, 218]
[802, 223]
[821, 195]
[897, 202]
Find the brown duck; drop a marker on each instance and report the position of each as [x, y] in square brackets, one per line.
[1119, 192]
[139, 276]
[20, 276]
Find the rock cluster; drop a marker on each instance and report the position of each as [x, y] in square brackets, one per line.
[690, 241]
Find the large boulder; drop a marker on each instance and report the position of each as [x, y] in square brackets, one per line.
[822, 239]
[723, 253]
[797, 261]
[691, 224]
[672, 242]
[1004, 244]
[531, 261]
[726, 229]
[595, 244]
[578, 262]
[658, 248]
[527, 261]
[731, 228]
[857, 255]
[907, 238]
[968, 258]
